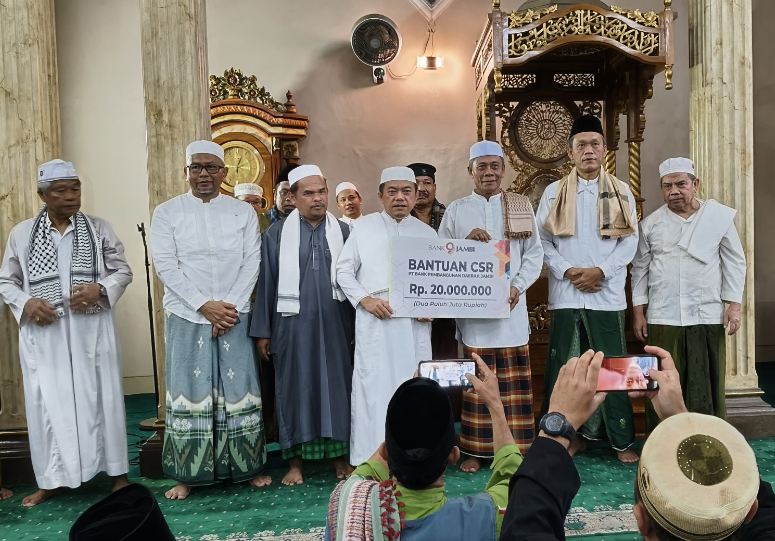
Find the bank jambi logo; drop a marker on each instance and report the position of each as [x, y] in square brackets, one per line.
[450, 248]
[502, 252]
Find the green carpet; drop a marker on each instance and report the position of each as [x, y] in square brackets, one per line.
[601, 510]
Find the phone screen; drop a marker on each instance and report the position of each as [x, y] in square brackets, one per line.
[448, 373]
[628, 373]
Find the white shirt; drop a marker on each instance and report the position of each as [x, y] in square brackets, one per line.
[349, 221]
[205, 251]
[475, 211]
[586, 249]
[679, 289]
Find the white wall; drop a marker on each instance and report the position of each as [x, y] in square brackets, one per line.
[356, 128]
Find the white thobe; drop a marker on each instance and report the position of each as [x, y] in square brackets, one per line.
[387, 352]
[585, 250]
[72, 368]
[475, 211]
[350, 221]
[680, 289]
[205, 252]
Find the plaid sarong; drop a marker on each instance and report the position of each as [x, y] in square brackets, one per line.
[512, 367]
[318, 449]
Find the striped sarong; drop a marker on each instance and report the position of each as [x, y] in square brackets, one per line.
[512, 368]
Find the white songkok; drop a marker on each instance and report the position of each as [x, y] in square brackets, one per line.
[248, 188]
[397, 173]
[676, 165]
[346, 186]
[485, 148]
[56, 170]
[303, 171]
[203, 147]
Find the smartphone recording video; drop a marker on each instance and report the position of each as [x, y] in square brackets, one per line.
[448, 373]
[628, 373]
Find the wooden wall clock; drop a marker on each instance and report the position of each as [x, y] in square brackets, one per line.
[256, 132]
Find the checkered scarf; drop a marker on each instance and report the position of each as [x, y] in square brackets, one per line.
[43, 260]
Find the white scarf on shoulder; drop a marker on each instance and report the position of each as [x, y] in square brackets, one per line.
[290, 274]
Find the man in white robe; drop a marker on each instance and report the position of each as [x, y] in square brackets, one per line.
[62, 274]
[501, 343]
[387, 349]
[689, 263]
[349, 202]
[206, 251]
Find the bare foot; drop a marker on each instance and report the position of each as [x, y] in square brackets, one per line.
[179, 492]
[342, 468]
[578, 445]
[260, 481]
[294, 475]
[471, 465]
[39, 497]
[627, 456]
[119, 482]
[5, 493]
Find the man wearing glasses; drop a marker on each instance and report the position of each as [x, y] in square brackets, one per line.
[206, 251]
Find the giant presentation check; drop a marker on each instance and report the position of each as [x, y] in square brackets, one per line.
[450, 278]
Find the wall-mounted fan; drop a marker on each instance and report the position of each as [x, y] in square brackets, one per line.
[376, 42]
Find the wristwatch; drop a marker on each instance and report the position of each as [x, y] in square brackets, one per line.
[555, 424]
[103, 291]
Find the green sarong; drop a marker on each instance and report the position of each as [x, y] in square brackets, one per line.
[572, 332]
[317, 449]
[214, 427]
[699, 353]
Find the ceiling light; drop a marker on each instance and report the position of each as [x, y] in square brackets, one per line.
[430, 62]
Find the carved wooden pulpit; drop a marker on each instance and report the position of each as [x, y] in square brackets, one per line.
[536, 71]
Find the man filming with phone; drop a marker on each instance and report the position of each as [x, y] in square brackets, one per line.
[404, 478]
[697, 478]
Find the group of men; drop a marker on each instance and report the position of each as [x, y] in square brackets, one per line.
[301, 297]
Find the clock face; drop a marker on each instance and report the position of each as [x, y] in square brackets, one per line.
[244, 162]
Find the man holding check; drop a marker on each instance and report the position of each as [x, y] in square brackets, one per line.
[492, 214]
[387, 349]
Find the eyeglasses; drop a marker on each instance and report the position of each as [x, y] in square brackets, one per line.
[211, 169]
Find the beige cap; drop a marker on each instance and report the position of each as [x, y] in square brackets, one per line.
[248, 188]
[698, 477]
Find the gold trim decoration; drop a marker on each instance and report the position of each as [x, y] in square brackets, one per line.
[583, 22]
[235, 85]
[668, 77]
[646, 19]
[498, 78]
[521, 19]
[539, 317]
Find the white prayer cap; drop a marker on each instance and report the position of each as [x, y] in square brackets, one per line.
[397, 173]
[248, 188]
[203, 147]
[56, 170]
[485, 148]
[303, 171]
[346, 186]
[676, 165]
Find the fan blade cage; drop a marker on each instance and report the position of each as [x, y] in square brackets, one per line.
[375, 42]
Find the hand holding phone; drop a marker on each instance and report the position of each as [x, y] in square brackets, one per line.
[628, 373]
[451, 373]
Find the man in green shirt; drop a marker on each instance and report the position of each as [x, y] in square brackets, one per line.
[400, 489]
